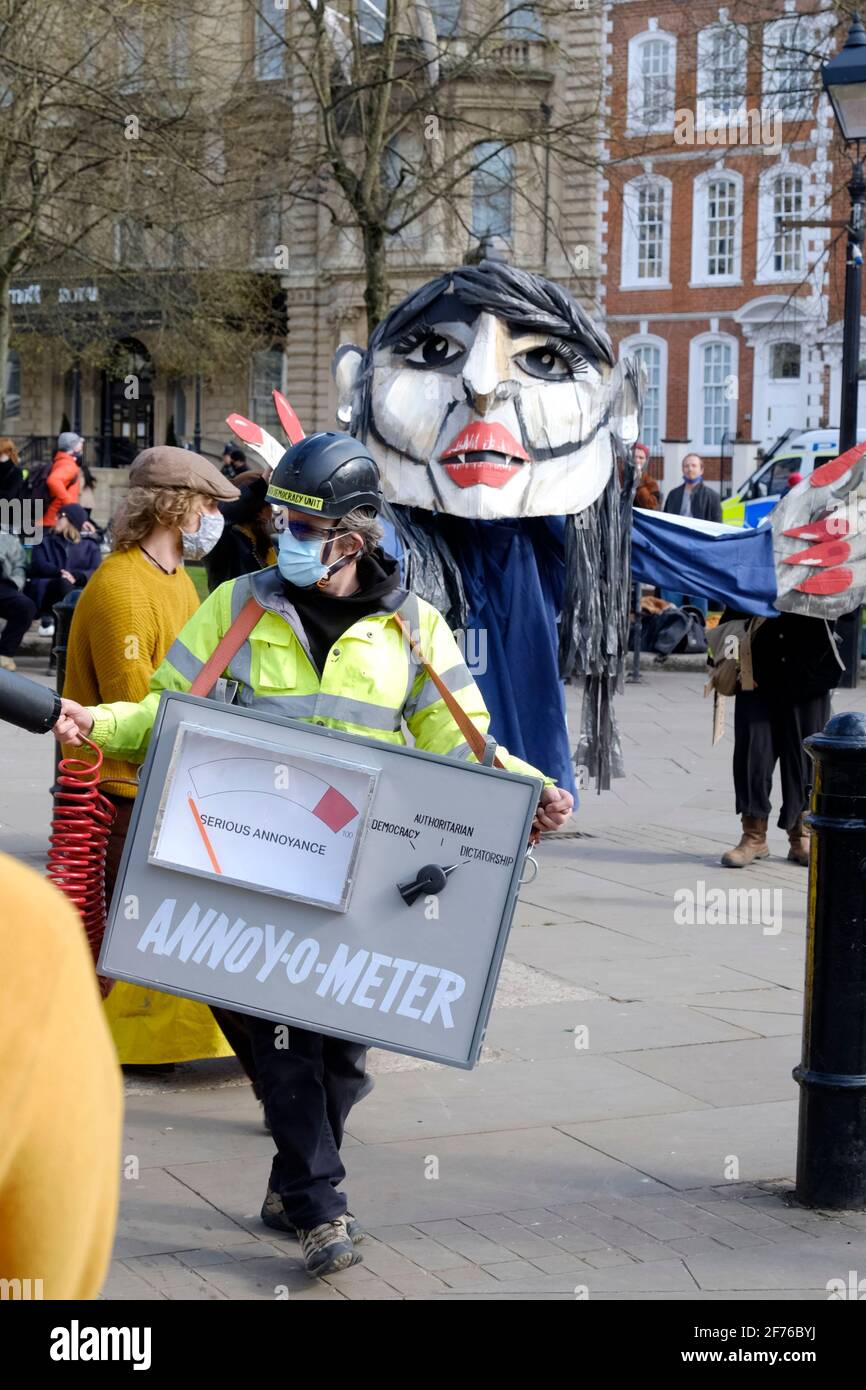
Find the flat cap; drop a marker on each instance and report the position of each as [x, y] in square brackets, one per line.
[166, 466]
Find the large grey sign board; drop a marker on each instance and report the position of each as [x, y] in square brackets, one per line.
[261, 874]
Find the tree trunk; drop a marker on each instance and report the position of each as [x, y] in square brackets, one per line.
[376, 274]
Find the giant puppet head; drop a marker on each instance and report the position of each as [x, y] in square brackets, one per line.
[488, 393]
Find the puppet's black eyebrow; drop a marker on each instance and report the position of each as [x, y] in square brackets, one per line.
[575, 340]
[446, 308]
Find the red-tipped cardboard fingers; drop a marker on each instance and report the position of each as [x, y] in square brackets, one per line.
[257, 439]
[819, 540]
[288, 419]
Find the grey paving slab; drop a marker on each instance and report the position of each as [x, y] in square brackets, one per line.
[446, 1101]
[808, 1265]
[724, 1074]
[159, 1137]
[545, 947]
[610, 1028]
[662, 977]
[160, 1214]
[782, 1015]
[693, 1148]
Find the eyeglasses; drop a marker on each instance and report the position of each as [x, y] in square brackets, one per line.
[303, 530]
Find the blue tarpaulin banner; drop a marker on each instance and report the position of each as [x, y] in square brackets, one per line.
[730, 563]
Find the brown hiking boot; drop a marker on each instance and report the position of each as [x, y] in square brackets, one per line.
[753, 844]
[799, 841]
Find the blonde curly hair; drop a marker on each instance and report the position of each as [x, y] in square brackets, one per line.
[146, 507]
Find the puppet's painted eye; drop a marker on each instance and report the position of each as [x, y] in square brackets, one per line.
[430, 349]
[549, 363]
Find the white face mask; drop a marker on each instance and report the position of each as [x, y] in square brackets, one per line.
[197, 544]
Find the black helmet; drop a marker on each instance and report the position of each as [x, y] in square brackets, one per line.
[326, 474]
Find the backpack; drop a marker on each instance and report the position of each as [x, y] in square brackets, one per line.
[730, 655]
[674, 630]
[36, 483]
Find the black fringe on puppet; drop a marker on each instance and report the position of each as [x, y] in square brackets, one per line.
[593, 628]
[430, 569]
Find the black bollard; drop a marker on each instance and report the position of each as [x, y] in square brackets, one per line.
[831, 1145]
[63, 613]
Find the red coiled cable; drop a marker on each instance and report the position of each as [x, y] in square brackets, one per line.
[79, 839]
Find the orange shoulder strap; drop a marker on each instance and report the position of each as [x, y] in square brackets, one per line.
[228, 646]
[473, 735]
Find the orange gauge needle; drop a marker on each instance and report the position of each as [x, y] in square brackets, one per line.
[201, 830]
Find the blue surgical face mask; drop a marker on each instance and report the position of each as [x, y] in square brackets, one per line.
[299, 562]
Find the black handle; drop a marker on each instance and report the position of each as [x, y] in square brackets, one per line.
[26, 704]
[431, 879]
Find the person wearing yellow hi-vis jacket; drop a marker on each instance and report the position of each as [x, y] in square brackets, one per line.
[330, 648]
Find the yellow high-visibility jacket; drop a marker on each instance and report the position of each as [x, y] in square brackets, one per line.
[371, 683]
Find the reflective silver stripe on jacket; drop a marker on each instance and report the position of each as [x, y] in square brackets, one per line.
[320, 705]
[410, 612]
[462, 751]
[183, 661]
[455, 678]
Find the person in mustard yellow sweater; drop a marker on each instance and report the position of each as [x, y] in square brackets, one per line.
[61, 1103]
[126, 619]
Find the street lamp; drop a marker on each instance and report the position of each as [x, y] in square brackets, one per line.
[844, 79]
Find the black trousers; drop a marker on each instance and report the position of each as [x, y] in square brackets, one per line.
[770, 729]
[307, 1089]
[18, 611]
[55, 590]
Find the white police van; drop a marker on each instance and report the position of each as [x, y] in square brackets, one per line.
[793, 453]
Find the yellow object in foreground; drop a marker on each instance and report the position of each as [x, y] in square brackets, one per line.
[149, 1027]
[61, 1099]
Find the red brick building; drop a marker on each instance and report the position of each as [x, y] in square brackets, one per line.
[722, 156]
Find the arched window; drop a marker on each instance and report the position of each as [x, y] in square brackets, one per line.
[492, 180]
[789, 67]
[13, 385]
[717, 228]
[713, 363]
[781, 207]
[646, 232]
[652, 352]
[722, 53]
[652, 58]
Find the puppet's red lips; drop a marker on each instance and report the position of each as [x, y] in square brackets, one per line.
[483, 437]
[484, 453]
[488, 468]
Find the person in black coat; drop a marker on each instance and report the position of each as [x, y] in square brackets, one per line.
[795, 665]
[246, 544]
[692, 498]
[65, 559]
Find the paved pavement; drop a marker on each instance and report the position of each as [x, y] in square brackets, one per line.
[630, 1132]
